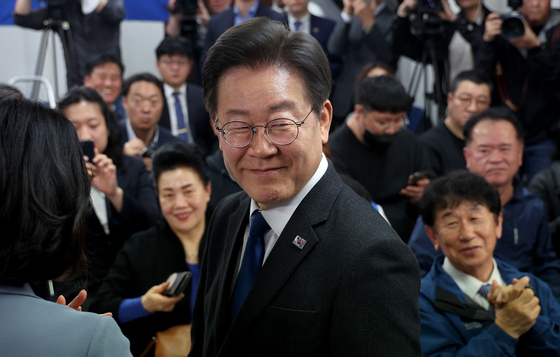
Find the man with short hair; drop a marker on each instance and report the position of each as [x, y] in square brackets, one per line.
[526, 72]
[381, 155]
[469, 94]
[494, 150]
[317, 271]
[104, 74]
[470, 302]
[183, 109]
[143, 102]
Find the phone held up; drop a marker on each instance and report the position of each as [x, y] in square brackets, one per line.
[176, 283]
[417, 176]
[87, 149]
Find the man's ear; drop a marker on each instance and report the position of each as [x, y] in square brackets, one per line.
[432, 235]
[325, 121]
[87, 80]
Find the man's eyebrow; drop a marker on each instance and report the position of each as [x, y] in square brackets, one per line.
[282, 106]
[237, 112]
[274, 108]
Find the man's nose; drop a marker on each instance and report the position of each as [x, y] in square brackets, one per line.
[261, 144]
[84, 133]
[466, 231]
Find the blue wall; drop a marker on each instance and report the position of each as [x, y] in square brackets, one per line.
[154, 10]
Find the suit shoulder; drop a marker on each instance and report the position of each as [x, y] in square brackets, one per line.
[323, 21]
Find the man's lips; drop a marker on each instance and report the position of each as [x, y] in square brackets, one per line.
[265, 172]
[470, 250]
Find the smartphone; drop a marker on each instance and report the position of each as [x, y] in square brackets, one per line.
[87, 149]
[417, 176]
[176, 283]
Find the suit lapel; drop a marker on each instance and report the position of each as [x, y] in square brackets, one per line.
[285, 257]
[234, 241]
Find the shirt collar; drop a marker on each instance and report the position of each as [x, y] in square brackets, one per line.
[250, 14]
[278, 216]
[305, 20]
[379, 8]
[132, 134]
[468, 284]
[168, 90]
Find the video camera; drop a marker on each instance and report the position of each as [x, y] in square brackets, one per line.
[512, 25]
[425, 20]
[187, 8]
[57, 10]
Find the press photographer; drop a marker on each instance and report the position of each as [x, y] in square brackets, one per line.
[526, 72]
[87, 28]
[427, 31]
[189, 19]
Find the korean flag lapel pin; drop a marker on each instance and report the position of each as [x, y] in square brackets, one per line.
[299, 242]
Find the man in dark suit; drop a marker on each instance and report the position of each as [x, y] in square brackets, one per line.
[143, 102]
[183, 110]
[298, 18]
[317, 271]
[240, 11]
[364, 36]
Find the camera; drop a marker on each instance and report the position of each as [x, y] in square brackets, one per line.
[57, 10]
[187, 8]
[425, 21]
[513, 22]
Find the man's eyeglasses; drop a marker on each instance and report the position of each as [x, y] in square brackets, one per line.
[169, 62]
[465, 101]
[280, 131]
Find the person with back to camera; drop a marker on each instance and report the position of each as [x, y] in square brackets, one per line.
[122, 194]
[134, 287]
[44, 189]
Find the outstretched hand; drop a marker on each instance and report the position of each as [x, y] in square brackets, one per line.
[77, 303]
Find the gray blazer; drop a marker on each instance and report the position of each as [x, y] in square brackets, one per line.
[31, 326]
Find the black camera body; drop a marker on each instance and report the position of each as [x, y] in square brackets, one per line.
[425, 21]
[513, 22]
[187, 8]
[57, 10]
[429, 6]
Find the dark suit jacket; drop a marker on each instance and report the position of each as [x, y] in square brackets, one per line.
[139, 212]
[146, 259]
[351, 291]
[165, 135]
[199, 120]
[222, 21]
[320, 28]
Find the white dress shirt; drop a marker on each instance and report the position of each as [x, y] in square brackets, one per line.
[168, 91]
[278, 216]
[100, 208]
[305, 23]
[470, 285]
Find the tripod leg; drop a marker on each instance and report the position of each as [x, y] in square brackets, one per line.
[40, 61]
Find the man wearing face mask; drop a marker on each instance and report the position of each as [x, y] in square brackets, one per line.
[380, 153]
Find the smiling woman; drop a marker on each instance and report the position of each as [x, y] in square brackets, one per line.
[135, 286]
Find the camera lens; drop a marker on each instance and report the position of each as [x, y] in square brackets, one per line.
[512, 26]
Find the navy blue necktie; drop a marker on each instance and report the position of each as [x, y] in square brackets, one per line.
[297, 25]
[181, 128]
[251, 264]
[485, 290]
